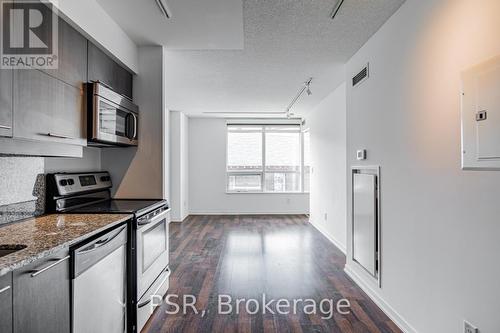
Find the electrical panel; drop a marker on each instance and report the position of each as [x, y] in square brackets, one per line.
[481, 116]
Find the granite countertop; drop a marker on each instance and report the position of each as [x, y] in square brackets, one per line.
[48, 234]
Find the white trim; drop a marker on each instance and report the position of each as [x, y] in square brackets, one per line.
[248, 213]
[177, 220]
[263, 121]
[380, 302]
[260, 192]
[335, 242]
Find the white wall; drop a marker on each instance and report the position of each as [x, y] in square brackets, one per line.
[207, 178]
[92, 21]
[440, 225]
[179, 129]
[327, 127]
[140, 172]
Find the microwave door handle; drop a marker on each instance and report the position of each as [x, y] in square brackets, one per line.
[135, 126]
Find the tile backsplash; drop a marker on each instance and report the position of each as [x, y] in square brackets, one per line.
[22, 187]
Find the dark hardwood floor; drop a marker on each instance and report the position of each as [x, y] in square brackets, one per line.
[248, 256]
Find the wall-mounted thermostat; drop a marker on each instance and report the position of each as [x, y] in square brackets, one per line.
[361, 154]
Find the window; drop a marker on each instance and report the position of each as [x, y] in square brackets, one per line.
[307, 160]
[264, 158]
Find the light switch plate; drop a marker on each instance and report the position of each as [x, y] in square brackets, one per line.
[361, 154]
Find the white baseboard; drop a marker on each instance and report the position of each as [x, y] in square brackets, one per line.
[246, 213]
[381, 303]
[176, 220]
[335, 242]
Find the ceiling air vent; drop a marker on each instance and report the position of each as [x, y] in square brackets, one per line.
[361, 76]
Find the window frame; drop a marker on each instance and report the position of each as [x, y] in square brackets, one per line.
[302, 168]
[263, 129]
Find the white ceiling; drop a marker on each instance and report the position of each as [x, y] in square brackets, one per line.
[285, 43]
[195, 24]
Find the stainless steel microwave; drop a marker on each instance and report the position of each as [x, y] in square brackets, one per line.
[113, 119]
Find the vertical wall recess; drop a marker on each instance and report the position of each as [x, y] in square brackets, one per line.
[366, 219]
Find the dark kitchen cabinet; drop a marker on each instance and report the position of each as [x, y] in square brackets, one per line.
[72, 56]
[6, 102]
[47, 109]
[104, 69]
[42, 296]
[6, 303]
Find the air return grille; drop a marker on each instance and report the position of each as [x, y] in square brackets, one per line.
[361, 76]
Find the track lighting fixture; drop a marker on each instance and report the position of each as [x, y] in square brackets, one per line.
[336, 8]
[307, 89]
[162, 5]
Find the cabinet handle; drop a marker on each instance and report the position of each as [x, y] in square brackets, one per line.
[5, 127]
[35, 273]
[4, 289]
[60, 136]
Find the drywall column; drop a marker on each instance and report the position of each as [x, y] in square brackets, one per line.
[142, 172]
[327, 128]
[179, 166]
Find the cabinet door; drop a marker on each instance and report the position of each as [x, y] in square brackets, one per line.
[100, 66]
[6, 303]
[104, 69]
[122, 80]
[5, 102]
[47, 109]
[42, 296]
[72, 57]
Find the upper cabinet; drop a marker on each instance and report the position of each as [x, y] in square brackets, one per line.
[72, 56]
[6, 102]
[48, 103]
[47, 109]
[104, 69]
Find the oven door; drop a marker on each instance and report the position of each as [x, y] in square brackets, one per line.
[152, 250]
[113, 124]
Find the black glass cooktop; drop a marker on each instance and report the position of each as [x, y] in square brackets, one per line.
[136, 206]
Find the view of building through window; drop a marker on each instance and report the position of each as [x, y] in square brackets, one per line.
[266, 158]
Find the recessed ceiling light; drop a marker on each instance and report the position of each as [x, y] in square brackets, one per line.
[162, 4]
[336, 8]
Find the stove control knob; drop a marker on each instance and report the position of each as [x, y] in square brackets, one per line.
[63, 182]
[71, 182]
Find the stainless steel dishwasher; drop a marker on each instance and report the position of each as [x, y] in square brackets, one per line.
[99, 284]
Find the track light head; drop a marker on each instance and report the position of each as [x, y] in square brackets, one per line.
[162, 5]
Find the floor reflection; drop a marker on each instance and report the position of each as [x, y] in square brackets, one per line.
[244, 257]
